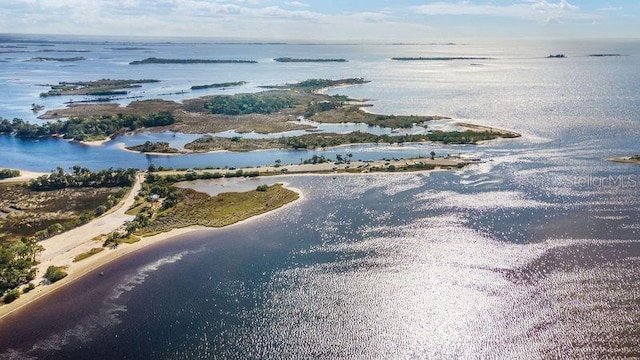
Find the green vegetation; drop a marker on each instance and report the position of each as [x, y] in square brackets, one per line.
[315, 159]
[83, 177]
[218, 85]
[62, 59]
[635, 157]
[154, 147]
[8, 173]
[87, 254]
[298, 60]
[439, 58]
[11, 296]
[323, 140]
[17, 261]
[85, 129]
[153, 60]
[249, 104]
[263, 187]
[55, 273]
[37, 215]
[103, 87]
[196, 208]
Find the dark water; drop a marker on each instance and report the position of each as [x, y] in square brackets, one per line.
[534, 253]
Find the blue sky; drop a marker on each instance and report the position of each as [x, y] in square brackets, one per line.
[347, 20]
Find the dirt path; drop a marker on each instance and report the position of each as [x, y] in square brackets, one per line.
[61, 249]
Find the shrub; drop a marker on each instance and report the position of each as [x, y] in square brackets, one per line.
[263, 187]
[8, 173]
[55, 273]
[28, 288]
[11, 296]
[100, 210]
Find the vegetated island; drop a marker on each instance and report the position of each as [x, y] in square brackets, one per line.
[302, 60]
[160, 147]
[276, 109]
[61, 59]
[556, 56]
[604, 55]
[219, 85]
[439, 58]
[102, 87]
[153, 60]
[635, 159]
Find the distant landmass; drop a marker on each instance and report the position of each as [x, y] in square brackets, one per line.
[218, 85]
[153, 60]
[557, 56]
[604, 55]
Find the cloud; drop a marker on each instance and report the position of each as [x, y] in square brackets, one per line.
[296, 4]
[532, 9]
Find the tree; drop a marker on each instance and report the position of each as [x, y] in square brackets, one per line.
[433, 155]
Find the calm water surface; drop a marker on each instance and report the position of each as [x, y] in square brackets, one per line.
[533, 253]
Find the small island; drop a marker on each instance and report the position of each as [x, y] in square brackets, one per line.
[61, 59]
[103, 87]
[153, 60]
[635, 159]
[557, 56]
[300, 60]
[153, 147]
[604, 55]
[219, 85]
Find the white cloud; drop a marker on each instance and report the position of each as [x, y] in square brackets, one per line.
[296, 4]
[532, 9]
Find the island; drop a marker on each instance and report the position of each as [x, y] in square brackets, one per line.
[302, 60]
[604, 55]
[61, 59]
[219, 85]
[102, 87]
[278, 108]
[153, 60]
[153, 148]
[557, 56]
[635, 159]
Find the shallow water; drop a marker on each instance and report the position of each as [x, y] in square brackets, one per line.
[533, 253]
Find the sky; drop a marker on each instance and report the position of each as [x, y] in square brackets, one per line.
[333, 20]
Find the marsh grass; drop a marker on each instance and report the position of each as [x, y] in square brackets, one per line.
[198, 208]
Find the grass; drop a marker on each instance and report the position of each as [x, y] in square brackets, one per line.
[198, 208]
[25, 212]
[55, 273]
[87, 254]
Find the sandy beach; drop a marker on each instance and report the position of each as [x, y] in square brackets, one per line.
[25, 175]
[625, 160]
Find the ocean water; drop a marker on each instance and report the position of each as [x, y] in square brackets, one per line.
[533, 253]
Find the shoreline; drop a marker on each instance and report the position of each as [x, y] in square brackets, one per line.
[63, 248]
[25, 175]
[77, 270]
[624, 160]
[123, 147]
